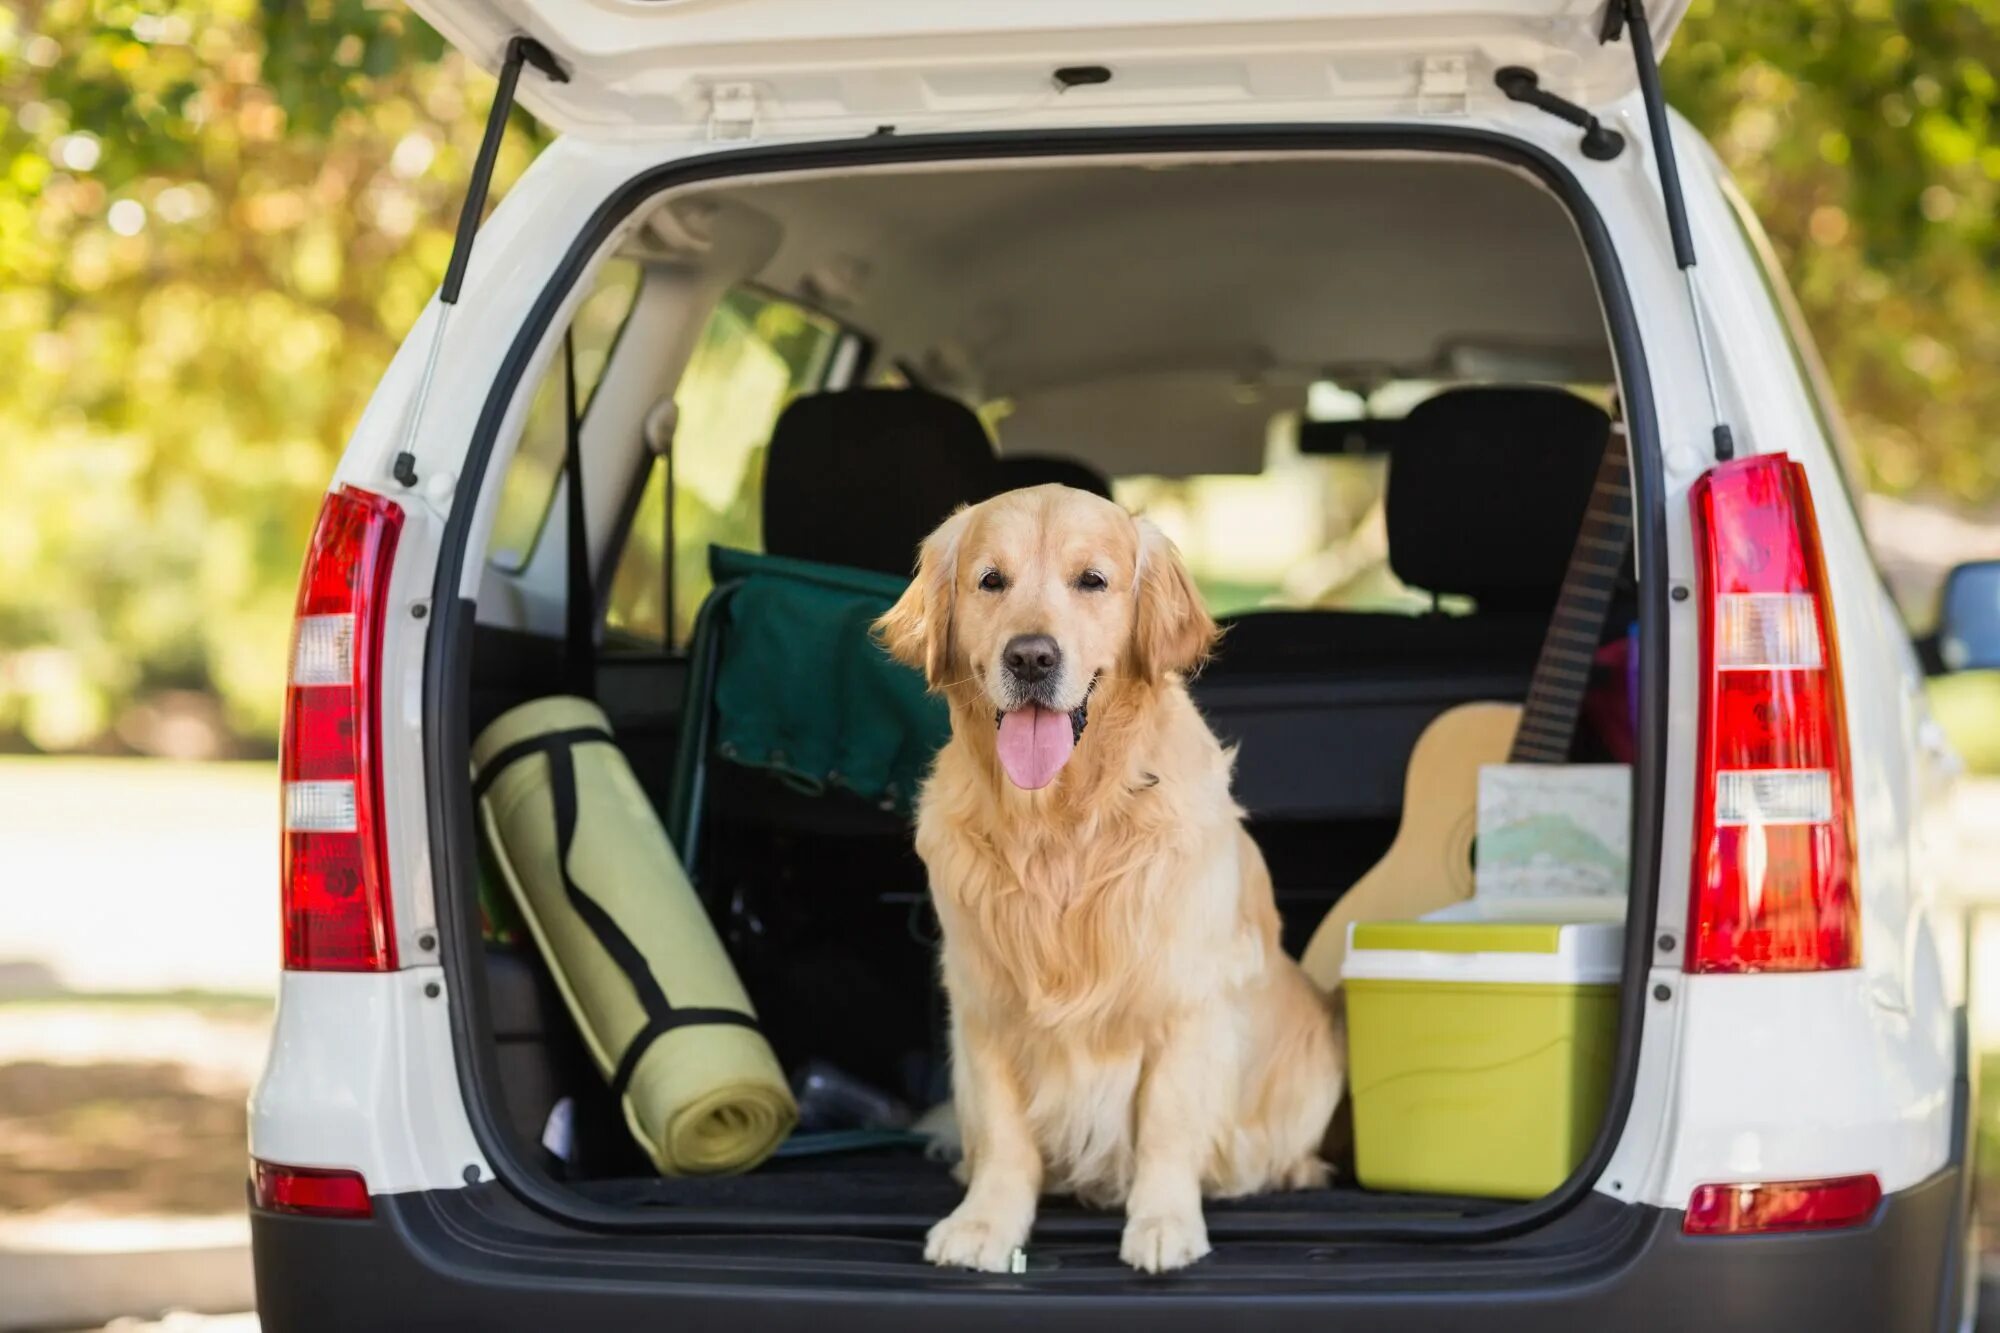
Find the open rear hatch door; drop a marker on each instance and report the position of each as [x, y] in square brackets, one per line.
[723, 69]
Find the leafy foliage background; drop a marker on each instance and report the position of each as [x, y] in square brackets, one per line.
[217, 219]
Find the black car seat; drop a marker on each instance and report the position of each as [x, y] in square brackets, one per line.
[1019, 470]
[860, 477]
[1487, 488]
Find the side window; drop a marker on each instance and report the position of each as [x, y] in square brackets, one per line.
[530, 482]
[756, 353]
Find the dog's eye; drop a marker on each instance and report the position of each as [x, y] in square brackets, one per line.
[993, 581]
[1090, 581]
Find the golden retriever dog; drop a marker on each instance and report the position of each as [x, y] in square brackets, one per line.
[1125, 1025]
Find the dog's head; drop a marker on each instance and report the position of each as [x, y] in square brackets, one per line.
[1028, 600]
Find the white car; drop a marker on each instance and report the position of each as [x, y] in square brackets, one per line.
[1236, 263]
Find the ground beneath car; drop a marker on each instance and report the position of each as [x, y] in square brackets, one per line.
[117, 1108]
[122, 1156]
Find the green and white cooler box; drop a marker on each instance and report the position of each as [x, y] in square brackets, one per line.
[1480, 1048]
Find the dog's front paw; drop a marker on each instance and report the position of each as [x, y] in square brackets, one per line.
[979, 1240]
[1158, 1244]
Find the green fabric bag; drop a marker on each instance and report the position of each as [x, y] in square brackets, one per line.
[803, 689]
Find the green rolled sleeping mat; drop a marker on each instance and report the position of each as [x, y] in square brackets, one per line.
[634, 954]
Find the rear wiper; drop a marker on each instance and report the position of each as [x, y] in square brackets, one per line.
[1630, 15]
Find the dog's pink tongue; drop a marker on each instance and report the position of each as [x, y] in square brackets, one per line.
[1034, 745]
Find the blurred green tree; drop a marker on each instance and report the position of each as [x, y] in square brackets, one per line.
[216, 222]
[1864, 132]
[217, 218]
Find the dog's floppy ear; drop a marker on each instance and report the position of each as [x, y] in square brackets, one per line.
[1171, 629]
[917, 629]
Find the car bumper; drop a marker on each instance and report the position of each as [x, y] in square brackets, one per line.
[465, 1259]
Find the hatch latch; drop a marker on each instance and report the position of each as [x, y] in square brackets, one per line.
[732, 111]
[1442, 86]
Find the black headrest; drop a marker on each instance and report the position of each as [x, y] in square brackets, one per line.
[1018, 470]
[861, 477]
[1487, 488]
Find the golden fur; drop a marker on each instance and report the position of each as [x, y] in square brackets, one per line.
[1125, 1024]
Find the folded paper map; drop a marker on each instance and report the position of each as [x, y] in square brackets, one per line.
[1553, 831]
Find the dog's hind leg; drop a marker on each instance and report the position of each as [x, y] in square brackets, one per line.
[1307, 1076]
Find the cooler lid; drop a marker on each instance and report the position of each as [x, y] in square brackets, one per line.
[1460, 936]
[1459, 949]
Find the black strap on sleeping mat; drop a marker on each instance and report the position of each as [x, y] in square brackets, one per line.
[490, 771]
[661, 1015]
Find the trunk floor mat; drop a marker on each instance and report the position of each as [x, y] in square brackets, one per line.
[900, 1182]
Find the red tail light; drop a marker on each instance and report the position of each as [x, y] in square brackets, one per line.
[310, 1191]
[1773, 883]
[335, 877]
[1792, 1205]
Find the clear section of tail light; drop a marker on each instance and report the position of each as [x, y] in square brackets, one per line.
[1774, 861]
[335, 878]
[320, 807]
[323, 651]
[1774, 796]
[1767, 632]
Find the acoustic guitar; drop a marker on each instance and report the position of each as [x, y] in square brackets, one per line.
[1429, 865]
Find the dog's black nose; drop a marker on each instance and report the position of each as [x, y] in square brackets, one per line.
[1030, 657]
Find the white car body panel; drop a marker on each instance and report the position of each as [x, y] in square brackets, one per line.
[1804, 1077]
[1740, 1078]
[361, 1078]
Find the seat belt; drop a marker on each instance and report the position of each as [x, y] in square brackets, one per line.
[658, 431]
[580, 623]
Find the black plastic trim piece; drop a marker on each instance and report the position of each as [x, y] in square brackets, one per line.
[1080, 76]
[1522, 84]
[1958, 1284]
[448, 669]
[475, 1259]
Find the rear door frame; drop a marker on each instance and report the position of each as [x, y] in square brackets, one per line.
[449, 649]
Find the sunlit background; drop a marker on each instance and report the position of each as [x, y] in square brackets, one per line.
[218, 218]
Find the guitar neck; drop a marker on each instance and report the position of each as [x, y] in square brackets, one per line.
[1569, 648]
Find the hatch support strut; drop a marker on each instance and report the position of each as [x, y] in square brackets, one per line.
[520, 51]
[1630, 16]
